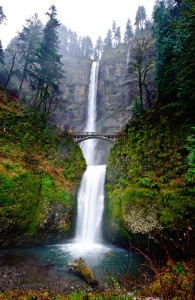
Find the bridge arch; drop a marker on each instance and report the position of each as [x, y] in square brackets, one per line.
[80, 137]
[78, 141]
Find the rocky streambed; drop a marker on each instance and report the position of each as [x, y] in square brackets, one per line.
[28, 273]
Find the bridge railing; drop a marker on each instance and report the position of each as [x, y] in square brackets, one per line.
[88, 133]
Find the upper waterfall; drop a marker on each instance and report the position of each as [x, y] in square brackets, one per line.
[88, 147]
[92, 97]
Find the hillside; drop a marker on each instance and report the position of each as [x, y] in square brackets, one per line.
[40, 168]
[150, 183]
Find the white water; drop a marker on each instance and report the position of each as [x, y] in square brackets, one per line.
[91, 205]
[90, 200]
[88, 147]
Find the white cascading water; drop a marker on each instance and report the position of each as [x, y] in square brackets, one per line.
[88, 242]
[91, 192]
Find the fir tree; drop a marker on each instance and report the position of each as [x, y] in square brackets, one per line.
[140, 18]
[87, 47]
[29, 40]
[128, 32]
[47, 68]
[108, 41]
[98, 49]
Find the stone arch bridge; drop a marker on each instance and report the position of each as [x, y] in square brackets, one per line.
[83, 136]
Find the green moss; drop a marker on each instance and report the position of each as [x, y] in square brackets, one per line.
[36, 186]
[147, 170]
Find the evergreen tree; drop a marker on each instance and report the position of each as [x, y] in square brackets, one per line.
[114, 30]
[165, 41]
[108, 41]
[118, 36]
[73, 44]
[98, 49]
[184, 53]
[174, 29]
[47, 71]
[87, 47]
[128, 32]
[29, 40]
[140, 18]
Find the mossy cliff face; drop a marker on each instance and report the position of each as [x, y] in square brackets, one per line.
[112, 93]
[149, 193]
[72, 111]
[40, 168]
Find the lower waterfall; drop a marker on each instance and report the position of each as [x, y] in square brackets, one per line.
[91, 205]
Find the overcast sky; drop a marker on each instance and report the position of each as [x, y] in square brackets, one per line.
[86, 17]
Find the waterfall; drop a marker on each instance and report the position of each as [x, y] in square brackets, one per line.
[90, 201]
[88, 147]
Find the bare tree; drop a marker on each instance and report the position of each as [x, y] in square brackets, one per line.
[141, 62]
[11, 57]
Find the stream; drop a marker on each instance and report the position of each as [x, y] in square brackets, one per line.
[103, 259]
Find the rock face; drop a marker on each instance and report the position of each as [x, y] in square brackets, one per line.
[54, 225]
[112, 95]
[71, 113]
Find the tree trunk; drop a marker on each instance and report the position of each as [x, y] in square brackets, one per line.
[141, 92]
[10, 72]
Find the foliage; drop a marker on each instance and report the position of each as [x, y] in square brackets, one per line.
[174, 281]
[174, 43]
[108, 41]
[34, 182]
[190, 176]
[128, 32]
[164, 43]
[147, 188]
[136, 107]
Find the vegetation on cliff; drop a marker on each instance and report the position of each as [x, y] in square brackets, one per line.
[150, 179]
[40, 167]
